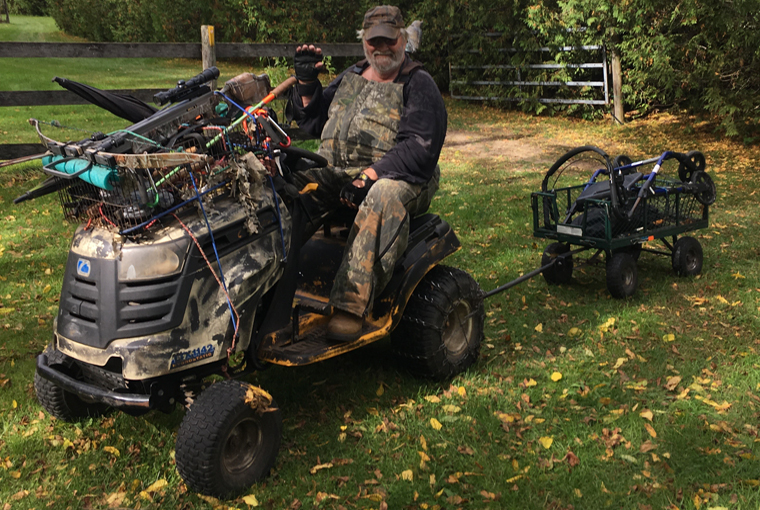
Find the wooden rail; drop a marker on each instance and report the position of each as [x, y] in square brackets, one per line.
[134, 50]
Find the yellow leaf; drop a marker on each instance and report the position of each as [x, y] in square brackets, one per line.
[530, 383]
[647, 414]
[14, 404]
[462, 392]
[672, 382]
[451, 409]
[435, 424]
[407, 475]
[651, 430]
[6, 311]
[556, 376]
[158, 484]
[578, 493]
[514, 478]
[432, 399]
[546, 442]
[574, 332]
[738, 275]
[619, 363]
[318, 467]
[515, 465]
[423, 443]
[250, 500]
[46, 289]
[16, 474]
[113, 451]
[697, 501]
[722, 299]
[380, 390]
[432, 479]
[539, 328]
[668, 338]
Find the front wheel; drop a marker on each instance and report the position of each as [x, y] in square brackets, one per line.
[229, 439]
[442, 327]
[59, 403]
[687, 257]
[622, 275]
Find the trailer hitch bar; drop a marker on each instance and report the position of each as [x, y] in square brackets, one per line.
[533, 273]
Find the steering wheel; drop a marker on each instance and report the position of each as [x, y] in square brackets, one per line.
[296, 153]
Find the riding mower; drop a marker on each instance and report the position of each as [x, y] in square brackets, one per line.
[196, 257]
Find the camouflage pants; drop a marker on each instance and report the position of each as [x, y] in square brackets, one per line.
[378, 236]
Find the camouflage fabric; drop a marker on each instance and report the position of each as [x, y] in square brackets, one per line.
[362, 122]
[362, 126]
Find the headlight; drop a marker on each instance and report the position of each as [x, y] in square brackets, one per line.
[140, 262]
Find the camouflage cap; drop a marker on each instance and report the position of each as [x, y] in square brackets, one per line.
[383, 21]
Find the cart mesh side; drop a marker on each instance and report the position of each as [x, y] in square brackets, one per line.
[667, 208]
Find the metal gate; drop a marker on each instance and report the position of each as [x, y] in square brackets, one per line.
[565, 75]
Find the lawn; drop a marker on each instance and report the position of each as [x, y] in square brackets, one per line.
[578, 400]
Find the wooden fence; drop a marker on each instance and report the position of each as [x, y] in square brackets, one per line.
[207, 51]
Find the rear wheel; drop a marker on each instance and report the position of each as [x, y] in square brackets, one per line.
[622, 275]
[698, 159]
[442, 327]
[562, 270]
[229, 439]
[59, 403]
[687, 257]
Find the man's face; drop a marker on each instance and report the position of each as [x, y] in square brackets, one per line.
[385, 55]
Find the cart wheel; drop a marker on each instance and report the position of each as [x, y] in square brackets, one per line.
[59, 403]
[635, 250]
[622, 276]
[440, 332]
[696, 157]
[687, 257]
[562, 270]
[228, 439]
[704, 181]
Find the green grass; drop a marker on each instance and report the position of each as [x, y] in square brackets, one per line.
[33, 29]
[510, 433]
[510, 437]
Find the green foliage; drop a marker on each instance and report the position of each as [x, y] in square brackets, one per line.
[692, 54]
[27, 7]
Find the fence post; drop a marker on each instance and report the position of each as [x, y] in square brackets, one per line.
[208, 49]
[617, 84]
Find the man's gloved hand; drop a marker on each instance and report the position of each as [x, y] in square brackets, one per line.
[354, 193]
[306, 60]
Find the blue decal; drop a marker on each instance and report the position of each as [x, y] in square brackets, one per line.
[83, 267]
[182, 358]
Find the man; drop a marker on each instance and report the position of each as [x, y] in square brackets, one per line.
[382, 124]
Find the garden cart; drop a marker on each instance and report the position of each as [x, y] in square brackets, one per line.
[616, 208]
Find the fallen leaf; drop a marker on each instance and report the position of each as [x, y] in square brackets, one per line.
[158, 484]
[647, 446]
[319, 467]
[668, 338]
[380, 390]
[539, 328]
[432, 399]
[647, 414]
[113, 451]
[556, 376]
[619, 363]
[451, 409]
[407, 475]
[435, 424]
[651, 430]
[530, 383]
[672, 382]
[546, 442]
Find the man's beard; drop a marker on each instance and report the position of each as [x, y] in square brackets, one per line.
[385, 62]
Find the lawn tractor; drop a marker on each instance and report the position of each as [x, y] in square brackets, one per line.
[195, 256]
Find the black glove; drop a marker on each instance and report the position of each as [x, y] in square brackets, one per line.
[305, 67]
[354, 194]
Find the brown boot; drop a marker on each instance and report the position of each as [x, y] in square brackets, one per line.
[344, 326]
